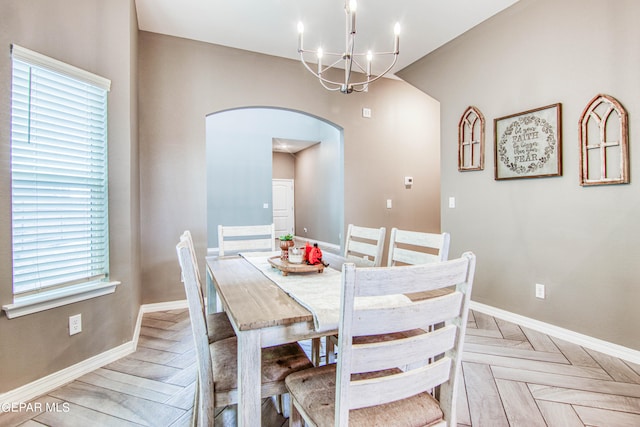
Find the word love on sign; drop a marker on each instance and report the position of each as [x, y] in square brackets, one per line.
[528, 145]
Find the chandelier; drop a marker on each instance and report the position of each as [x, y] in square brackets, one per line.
[349, 57]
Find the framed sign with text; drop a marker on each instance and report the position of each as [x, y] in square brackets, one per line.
[529, 144]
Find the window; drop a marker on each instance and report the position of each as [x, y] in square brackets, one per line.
[58, 174]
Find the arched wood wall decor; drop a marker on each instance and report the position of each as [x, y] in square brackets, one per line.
[604, 145]
[471, 140]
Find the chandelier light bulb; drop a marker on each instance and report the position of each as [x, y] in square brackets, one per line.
[396, 40]
[319, 61]
[300, 32]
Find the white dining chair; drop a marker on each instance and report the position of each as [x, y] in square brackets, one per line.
[366, 387]
[234, 239]
[218, 325]
[217, 365]
[406, 248]
[364, 245]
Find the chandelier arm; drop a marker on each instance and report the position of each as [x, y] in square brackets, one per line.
[318, 76]
[366, 82]
[324, 85]
[390, 52]
[323, 52]
[359, 66]
[332, 65]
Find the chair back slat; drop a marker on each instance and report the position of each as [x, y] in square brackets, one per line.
[406, 256]
[407, 351]
[206, 397]
[420, 314]
[417, 247]
[378, 391]
[411, 279]
[364, 245]
[364, 249]
[365, 232]
[367, 373]
[234, 239]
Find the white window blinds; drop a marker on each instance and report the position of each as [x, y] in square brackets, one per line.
[59, 173]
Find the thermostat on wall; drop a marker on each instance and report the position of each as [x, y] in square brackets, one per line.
[408, 180]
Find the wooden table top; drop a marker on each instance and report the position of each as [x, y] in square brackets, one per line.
[251, 298]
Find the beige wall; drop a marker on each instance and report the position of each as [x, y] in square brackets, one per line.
[579, 242]
[284, 166]
[318, 196]
[182, 81]
[100, 37]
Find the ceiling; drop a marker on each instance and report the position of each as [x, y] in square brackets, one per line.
[291, 146]
[270, 26]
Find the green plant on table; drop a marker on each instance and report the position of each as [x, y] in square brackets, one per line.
[286, 237]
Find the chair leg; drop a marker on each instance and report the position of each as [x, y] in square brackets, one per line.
[295, 419]
[315, 351]
[277, 401]
[281, 402]
[286, 399]
[331, 354]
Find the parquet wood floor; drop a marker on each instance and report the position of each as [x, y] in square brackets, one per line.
[513, 376]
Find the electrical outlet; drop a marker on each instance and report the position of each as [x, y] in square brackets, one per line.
[539, 291]
[75, 324]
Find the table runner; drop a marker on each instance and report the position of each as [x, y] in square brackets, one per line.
[317, 292]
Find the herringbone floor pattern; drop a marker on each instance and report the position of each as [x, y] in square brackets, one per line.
[513, 376]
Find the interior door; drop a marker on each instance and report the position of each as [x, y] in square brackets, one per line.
[283, 207]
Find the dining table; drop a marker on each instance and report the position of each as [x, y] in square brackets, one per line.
[262, 315]
[267, 308]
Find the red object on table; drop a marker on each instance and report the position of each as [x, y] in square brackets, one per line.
[315, 255]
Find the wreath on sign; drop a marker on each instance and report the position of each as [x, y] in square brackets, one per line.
[544, 127]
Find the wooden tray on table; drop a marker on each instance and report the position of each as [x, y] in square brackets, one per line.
[289, 267]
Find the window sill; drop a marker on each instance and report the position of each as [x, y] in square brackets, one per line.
[57, 297]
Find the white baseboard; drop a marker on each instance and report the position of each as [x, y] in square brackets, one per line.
[595, 344]
[52, 381]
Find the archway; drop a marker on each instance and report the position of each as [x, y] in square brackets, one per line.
[240, 171]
